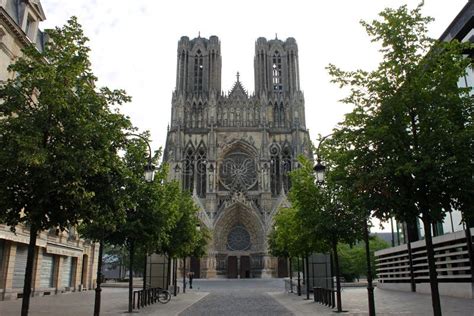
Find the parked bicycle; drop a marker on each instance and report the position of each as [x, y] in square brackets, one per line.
[164, 296]
[150, 296]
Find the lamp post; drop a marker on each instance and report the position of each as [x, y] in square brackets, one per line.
[320, 173]
[149, 169]
[149, 176]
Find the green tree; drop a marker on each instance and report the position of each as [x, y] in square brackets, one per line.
[323, 212]
[58, 131]
[151, 208]
[185, 239]
[353, 259]
[411, 129]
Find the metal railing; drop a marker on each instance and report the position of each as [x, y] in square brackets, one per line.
[146, 297]
[325, 296]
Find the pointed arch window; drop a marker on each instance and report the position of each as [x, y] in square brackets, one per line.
[188, 171]
[275, 179]
[286, 168]
[277, 72]
[198, 71]
[201, 162]
[281, 114]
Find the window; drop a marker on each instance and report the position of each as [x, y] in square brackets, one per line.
[286, 169]
[30, 28]
[276, 72]
[198, 71]
[275, 179]
[188, 172]
[238, 171]
[201, 172]
[238, 239]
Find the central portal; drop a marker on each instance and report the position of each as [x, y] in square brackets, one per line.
[232, 267]
[244, 267]
[238, 267]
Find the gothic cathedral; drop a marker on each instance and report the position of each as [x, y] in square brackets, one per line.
[234, 150]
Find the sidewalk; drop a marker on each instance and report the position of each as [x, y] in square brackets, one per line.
[114, 302]
[354, 301]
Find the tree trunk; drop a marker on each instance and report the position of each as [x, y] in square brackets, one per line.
[175, 277]
[25, 304]
[184, 274]
[432, 267]
[338, 281]
[130, 277]
[144, 273]
[393, 233]
[307, 276]
[411, 237]
[298, 290]
[370, 287]
[168, 274]
[98, 289]
[291, 276]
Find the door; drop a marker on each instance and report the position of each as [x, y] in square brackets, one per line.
[282, 267]
[67, 270]
[244, 267]
[232, 267]
[20, 266]
[196, 267]
[47, 270]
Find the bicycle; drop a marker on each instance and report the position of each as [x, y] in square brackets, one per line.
[163, 296]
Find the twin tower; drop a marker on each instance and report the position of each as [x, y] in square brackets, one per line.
[200, 63]
[234, 151]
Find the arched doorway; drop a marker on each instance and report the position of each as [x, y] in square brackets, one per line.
[239, 239]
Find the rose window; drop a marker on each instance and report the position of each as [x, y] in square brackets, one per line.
[238, 172]
[238, 239]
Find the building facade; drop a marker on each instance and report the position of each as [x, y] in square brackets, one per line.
[234, 150]
[63, 261]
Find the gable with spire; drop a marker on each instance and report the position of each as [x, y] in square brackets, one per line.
[238, 91]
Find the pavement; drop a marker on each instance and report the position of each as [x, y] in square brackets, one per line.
[114, 302]
[240, 297]
[387, 302]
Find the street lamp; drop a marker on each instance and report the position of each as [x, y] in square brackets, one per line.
[149, 176]
[149, 170]
[320, 173]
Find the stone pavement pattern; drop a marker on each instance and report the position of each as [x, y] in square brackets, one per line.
[238, 297]
[354, 301]
[114, 302]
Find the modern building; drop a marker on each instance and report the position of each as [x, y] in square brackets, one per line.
[400, 266]
[63, 261]
[234, 150]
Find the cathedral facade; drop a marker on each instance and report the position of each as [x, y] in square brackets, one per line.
[234, 150]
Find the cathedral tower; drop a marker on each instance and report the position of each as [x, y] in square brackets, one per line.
[276, 66]
[199, 66]
[233, 151]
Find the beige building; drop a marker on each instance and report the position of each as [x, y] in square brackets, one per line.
[63, 262]
[234, 150]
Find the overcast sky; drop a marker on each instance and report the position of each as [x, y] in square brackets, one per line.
[134, 45]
